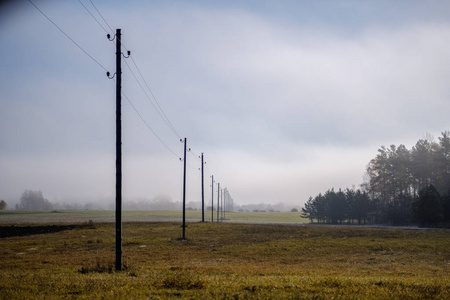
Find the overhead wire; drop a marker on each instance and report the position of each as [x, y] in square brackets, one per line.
[188, 165]
[148, 126]
[208, 171]
[165, 118]
[194, 154]
[193, 168]
[189, 150]
[62, 31]
[93, 16]
[112, 31]
[126, 97]
[157, 107]
[132, 105]
[145, 93]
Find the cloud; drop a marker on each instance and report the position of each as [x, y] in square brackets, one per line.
[344, 90]
[301, 83]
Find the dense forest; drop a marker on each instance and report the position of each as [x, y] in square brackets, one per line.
[401, 187]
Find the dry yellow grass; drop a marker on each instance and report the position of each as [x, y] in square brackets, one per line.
[228, 261]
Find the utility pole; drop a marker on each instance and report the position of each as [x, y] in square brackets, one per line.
[221, 204]
[212, 198]
[118, 146]
[218, 201]
[225, 202]
[118, 152]
[203, 194]
[184, 192]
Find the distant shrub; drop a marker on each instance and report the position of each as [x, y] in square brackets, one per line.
[91, 224]
[33, 200]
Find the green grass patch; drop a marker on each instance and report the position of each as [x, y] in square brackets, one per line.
[81, 216]
[227, 261]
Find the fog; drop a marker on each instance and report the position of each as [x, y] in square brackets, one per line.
[285, 99]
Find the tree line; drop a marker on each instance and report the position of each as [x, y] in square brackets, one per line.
[401, 187]
[33, 200]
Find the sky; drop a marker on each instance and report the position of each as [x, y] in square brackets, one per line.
[286, 99]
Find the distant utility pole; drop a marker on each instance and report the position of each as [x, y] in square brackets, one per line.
[212, 198]
[203, 194]
[221, 204]
[225, 202]
[184, 192]
[218, 201]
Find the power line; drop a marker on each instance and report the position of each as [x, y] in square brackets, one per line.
[157, 103]
[188, 165]
[141, 117]
[148, 126]
[145, 93]
[157, 107]
[195, 155]
[93, 16]
[207, 170]
[76, 44]
[160, 110]
[112, 31]
[193, 168]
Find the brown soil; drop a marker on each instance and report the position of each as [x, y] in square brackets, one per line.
[10, 231]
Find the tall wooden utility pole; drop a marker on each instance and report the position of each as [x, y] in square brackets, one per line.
[118, 146]
[203, 194]
[212, 198]
[184, 192]
[118, 152]
[218, 201]
[225, 202]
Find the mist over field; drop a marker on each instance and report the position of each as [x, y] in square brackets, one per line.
[166, 203]
[285, 99]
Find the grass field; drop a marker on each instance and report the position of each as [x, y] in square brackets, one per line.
[226, 261]
[77, 216]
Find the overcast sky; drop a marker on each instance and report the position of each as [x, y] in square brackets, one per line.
[285, 98]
